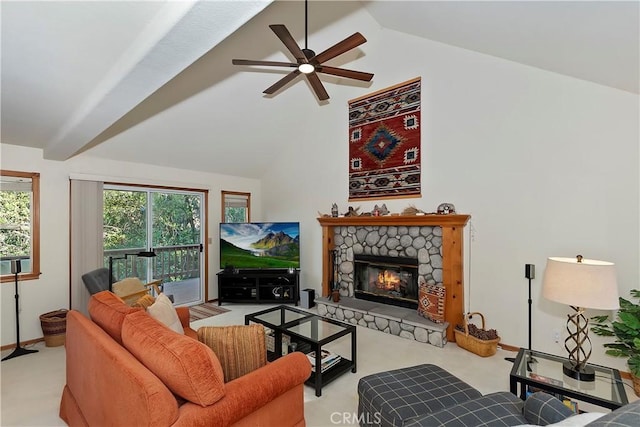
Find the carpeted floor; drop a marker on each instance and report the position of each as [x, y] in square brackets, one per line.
[205, 310]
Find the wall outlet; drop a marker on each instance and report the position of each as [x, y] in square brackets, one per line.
[556, 336]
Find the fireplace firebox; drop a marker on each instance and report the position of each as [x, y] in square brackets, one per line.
[389, 280]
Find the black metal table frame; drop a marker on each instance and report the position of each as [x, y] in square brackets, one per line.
[515, 378]
[318, 379]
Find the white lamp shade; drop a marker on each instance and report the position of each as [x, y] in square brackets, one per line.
[586, 284]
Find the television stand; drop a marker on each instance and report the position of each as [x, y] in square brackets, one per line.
[259, 286]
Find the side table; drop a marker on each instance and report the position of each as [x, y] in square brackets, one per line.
[544, 371]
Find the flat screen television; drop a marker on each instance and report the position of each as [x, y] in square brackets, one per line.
[260, 245]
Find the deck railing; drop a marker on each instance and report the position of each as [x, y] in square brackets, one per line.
[171, 263]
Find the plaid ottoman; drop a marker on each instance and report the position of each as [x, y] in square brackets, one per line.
[394, 398]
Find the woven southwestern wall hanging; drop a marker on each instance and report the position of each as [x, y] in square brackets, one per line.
[384, 143]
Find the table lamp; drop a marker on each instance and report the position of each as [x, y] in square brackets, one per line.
[580, 283]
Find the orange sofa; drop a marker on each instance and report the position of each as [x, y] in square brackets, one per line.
[124, 368]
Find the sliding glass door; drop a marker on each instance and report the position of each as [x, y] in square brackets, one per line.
[169, 222]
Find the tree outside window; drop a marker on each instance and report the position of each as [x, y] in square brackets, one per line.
[236, 206]
[19, 223]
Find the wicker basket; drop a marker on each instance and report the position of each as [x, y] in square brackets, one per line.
[480, 347]
[54, 327]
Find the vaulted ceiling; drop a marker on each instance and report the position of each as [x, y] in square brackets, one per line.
[97, 76]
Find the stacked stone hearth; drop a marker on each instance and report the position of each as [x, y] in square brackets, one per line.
[421, 242]
[403, 322]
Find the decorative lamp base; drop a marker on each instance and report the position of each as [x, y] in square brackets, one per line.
[581, 374]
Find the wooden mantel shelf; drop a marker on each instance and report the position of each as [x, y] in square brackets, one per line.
[452, 253]
[387, 220]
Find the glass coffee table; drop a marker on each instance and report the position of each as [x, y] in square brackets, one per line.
[533, 369]
[310, 333]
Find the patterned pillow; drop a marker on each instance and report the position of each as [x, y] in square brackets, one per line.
[431, 300]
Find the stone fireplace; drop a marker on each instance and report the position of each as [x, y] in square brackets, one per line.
[407, 255]
[435, 241]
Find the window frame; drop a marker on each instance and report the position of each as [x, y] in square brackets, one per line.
[224, 193]
[35, 225]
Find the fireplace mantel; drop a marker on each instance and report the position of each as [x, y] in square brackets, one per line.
[391, 220]
[452, 253]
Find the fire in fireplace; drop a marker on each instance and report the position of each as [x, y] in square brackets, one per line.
[390, 280]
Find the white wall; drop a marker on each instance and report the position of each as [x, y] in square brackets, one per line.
[51, 291]
[547, 165]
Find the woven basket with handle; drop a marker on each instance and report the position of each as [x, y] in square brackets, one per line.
[475, 345]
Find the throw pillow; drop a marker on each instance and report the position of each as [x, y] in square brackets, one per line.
[108, 311]
[240, 348]
[431, 301]
[163, 311]
[187, 367]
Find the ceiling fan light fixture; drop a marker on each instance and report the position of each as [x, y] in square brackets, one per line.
[306, 68]
[307, 62]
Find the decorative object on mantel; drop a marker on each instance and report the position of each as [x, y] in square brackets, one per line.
[479, 341]
[626, 329]
[352, 211]
[446, 209]
[334, 210]
[580, 283]
[380, 210]
[384, 143]
[412, 210]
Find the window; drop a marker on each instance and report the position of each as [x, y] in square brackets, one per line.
[236, 207]
[19, 224]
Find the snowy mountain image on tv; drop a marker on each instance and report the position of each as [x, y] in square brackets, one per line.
[260, 245]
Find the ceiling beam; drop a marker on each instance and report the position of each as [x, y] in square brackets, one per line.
[180, 34]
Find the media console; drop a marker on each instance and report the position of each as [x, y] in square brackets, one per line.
[260, 286]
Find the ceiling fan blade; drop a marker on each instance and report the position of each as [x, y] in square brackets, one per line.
[317, 86]
[280, 83]
[343, 72]
[339, 48]
[267, 63]
[285, 36]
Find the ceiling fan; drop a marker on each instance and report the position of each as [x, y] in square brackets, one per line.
[308, 63]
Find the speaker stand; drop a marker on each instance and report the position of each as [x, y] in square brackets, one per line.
[19, 351]
[529, 301]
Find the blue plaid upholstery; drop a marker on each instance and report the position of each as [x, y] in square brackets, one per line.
[429, 396]
[393, 398]
[542, 408]
[495, 409]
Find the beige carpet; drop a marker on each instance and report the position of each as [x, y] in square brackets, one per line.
[202, 311]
